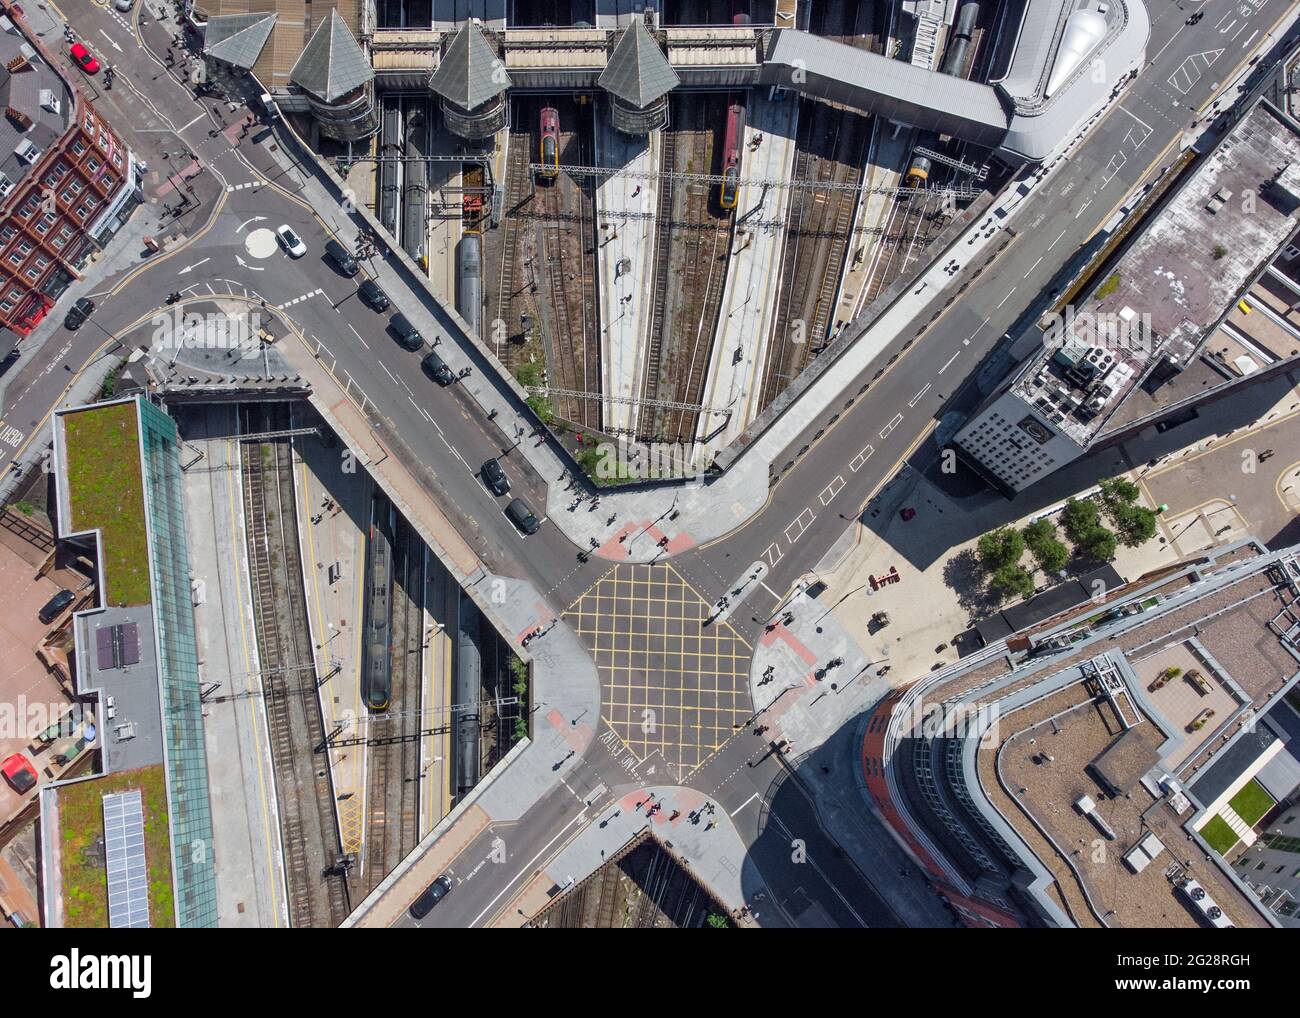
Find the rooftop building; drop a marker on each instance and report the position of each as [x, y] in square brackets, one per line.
[1172, 288]
[117, 485]
[55, 146]
[1020, 776]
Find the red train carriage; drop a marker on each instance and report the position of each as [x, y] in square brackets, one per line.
[734, 139]
[549, 129]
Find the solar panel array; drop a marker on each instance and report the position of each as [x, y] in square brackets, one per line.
[128, 876]
[117, 646]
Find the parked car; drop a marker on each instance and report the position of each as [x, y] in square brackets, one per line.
[78, 313]
[341, 257]
[54, 606]
[407, 334]
[19, 773]
[84, 58]
[292, 243]
[433, 894]
[522, 516]
[494, 476]
[373, 295]
[437, 369]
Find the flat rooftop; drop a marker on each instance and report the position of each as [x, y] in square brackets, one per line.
[1184, 271]
[117, 658]
[81, 871]
[105, 492]
[1193, 669]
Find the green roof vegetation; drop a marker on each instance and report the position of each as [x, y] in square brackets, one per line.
[1252, 802]
[106, 491]
[1218, 835]
[81, 827]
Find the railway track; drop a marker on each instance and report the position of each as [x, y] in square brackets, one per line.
[698, 252]
[819, 229]
[663, 247]
[393, 754]
[317, 891]
[570, 274]
[518, 190]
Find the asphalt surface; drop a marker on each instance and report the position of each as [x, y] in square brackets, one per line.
[445, 438]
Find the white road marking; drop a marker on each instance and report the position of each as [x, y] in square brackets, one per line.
[773, 550]
[949, 361]
[863, 455]
[884, 432]
[917, 398]
[744, 804]
[1053, 243]
[1007, 297]
[831, 490]
[191, 123]
[800, 522]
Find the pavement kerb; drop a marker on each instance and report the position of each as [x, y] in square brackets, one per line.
[95, 355]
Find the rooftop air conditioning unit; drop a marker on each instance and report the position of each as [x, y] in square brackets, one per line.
[26, 151]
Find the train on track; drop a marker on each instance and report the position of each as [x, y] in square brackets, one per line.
[468, 683]
[548, 128]
[377, 676]
[469, 281]
[733, 142]
[954, 57]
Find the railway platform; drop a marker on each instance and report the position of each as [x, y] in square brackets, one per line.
[888, 161]
[441, 600]
[444, 217]
[333, 511]
[249, 863]
[625, 249]
[745, 322]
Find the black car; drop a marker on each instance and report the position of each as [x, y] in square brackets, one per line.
[522, 516]
[495, 478]
[373, 294]
[437, 369]
[433, 894]
[407, 334]
[54, 606]
[341, 257]
[78, 313]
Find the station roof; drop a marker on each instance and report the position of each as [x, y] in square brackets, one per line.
[238, 39]
[332, 64]
[638, 72]
[469, 73]
[877, 84]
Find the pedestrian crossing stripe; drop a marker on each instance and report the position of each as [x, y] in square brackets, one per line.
[240, 187]
[299, 300]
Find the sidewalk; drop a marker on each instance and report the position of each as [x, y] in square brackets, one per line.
[716, 856]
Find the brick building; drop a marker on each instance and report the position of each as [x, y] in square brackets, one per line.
[67, 180]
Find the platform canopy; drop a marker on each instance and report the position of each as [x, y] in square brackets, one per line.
[469, 73]
[332, 63]
[638, 72]
[238, 39]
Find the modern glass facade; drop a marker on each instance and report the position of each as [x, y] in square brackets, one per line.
[182, 712]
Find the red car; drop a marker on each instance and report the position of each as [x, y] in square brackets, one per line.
[20, 773]
[84, 58]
